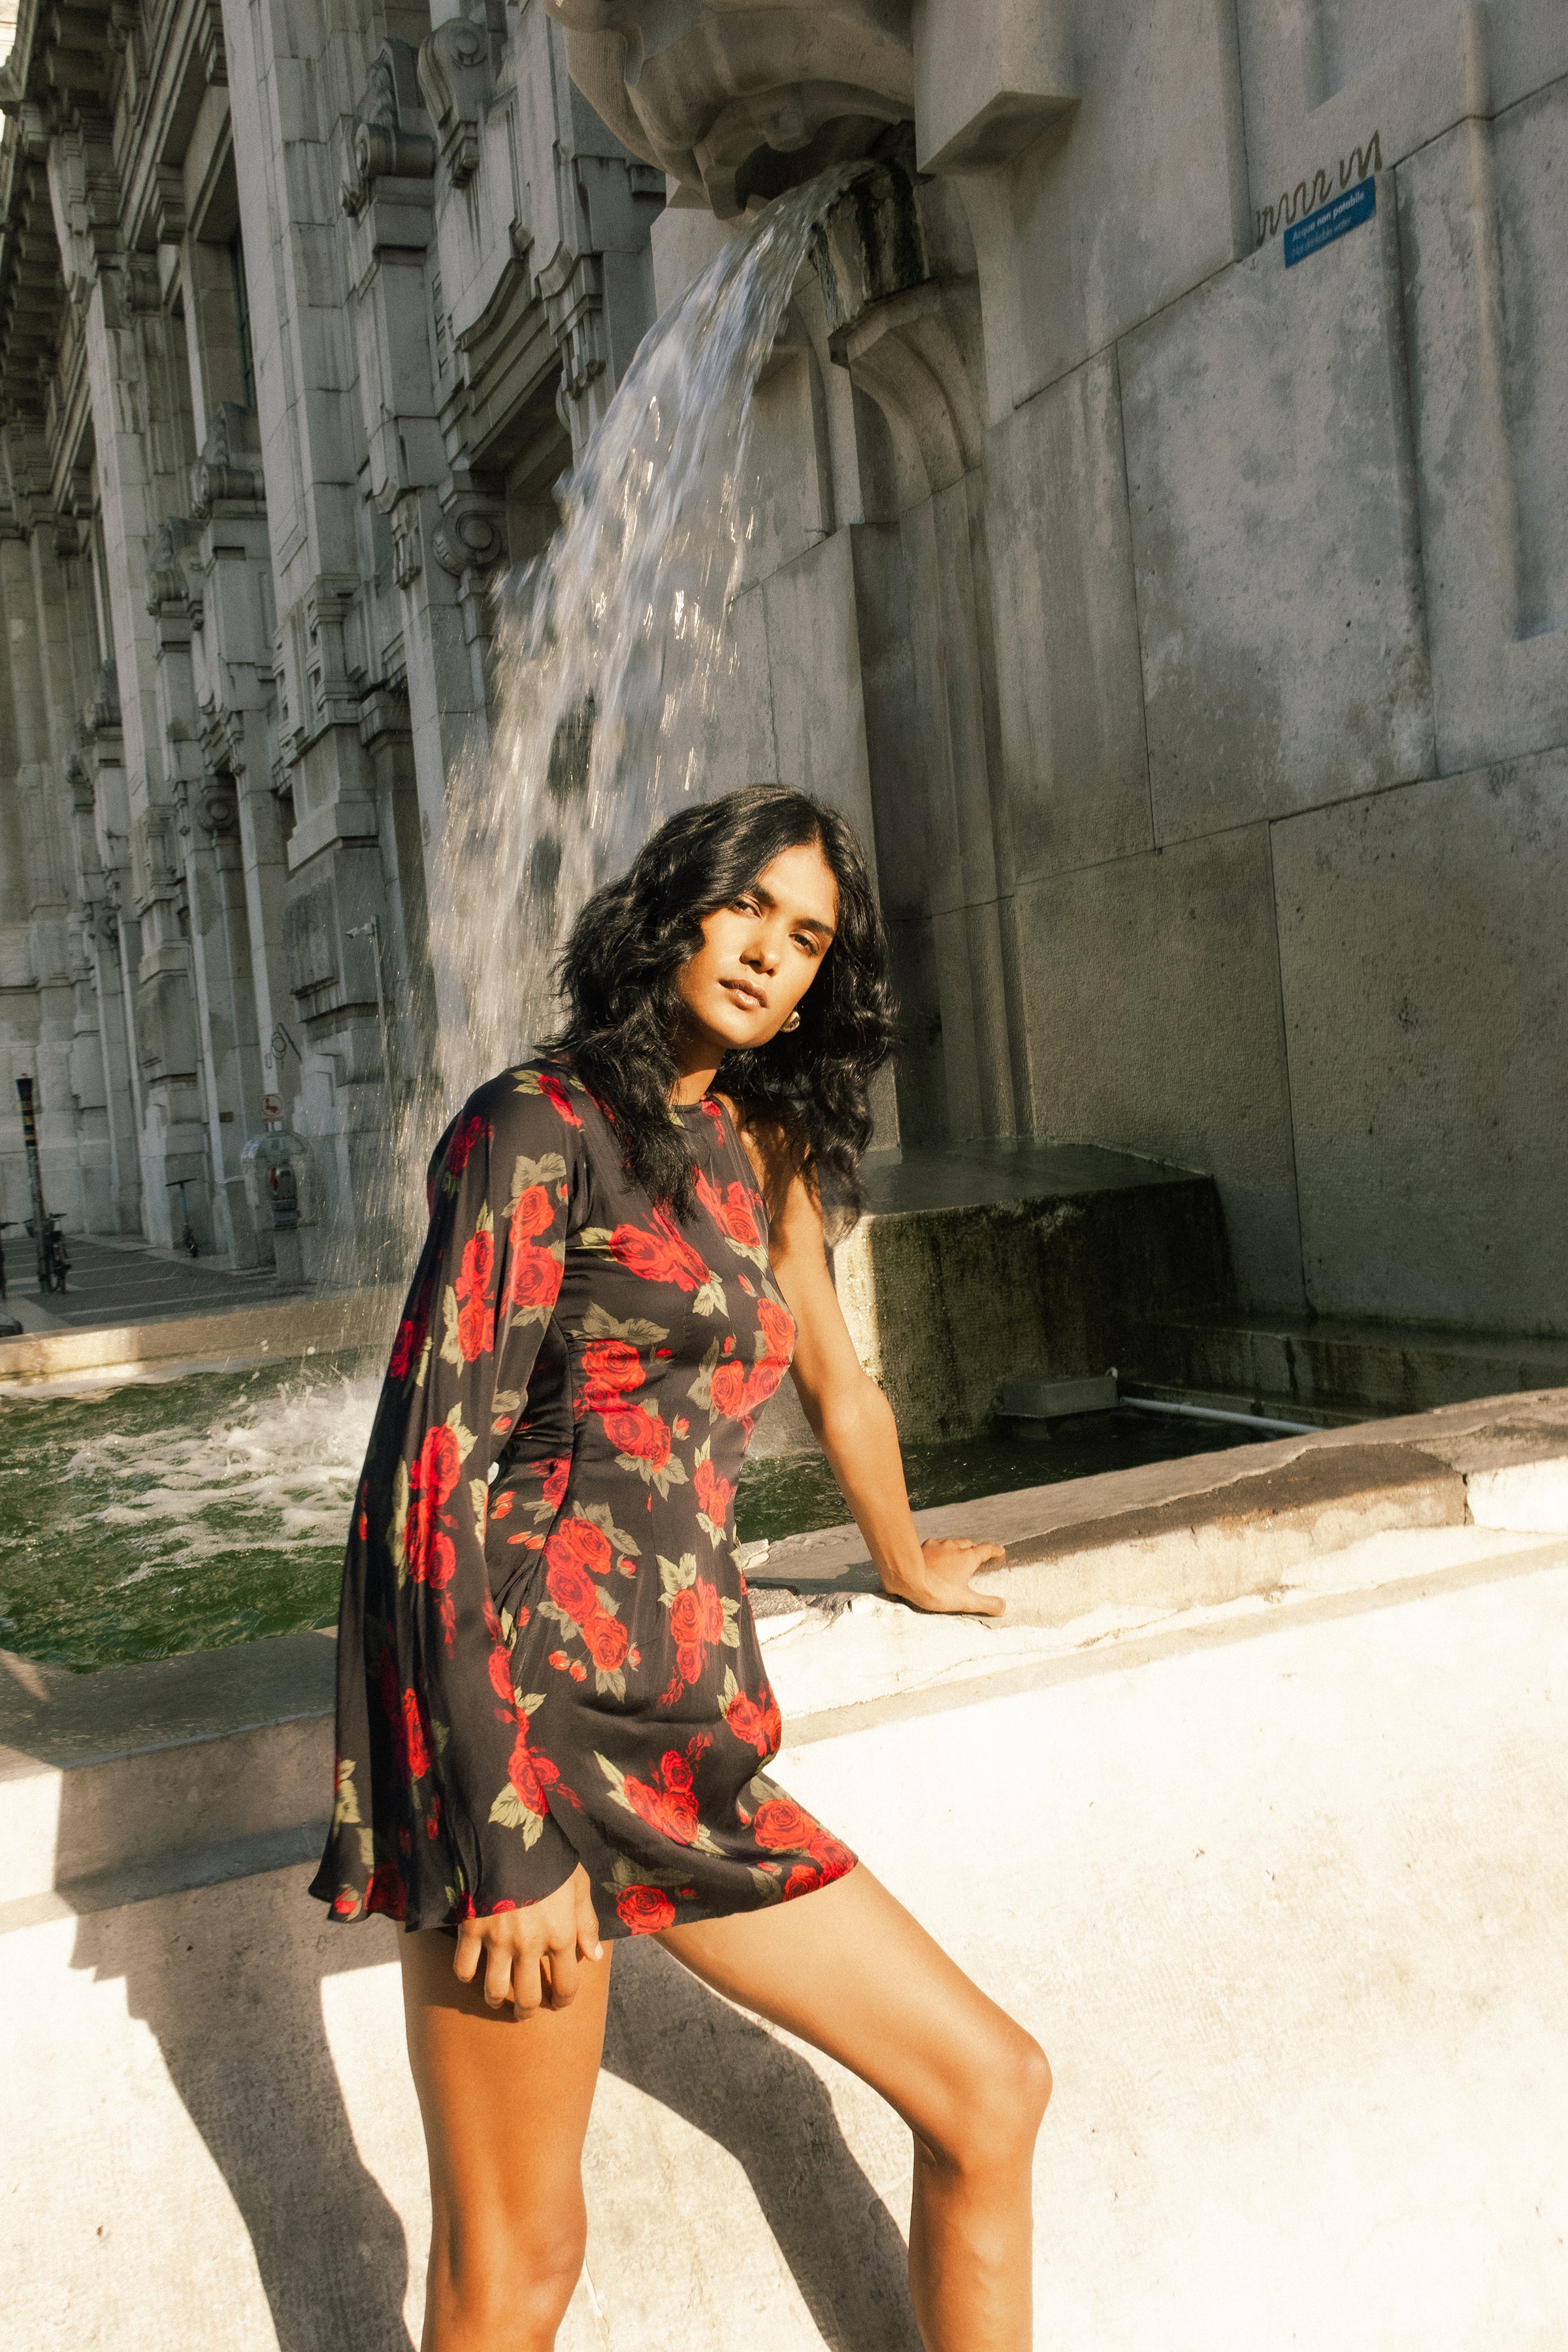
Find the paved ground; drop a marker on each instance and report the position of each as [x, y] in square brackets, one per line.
[1282, 1891]
[113, 1282]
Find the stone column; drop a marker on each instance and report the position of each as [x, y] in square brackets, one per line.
[45, 868]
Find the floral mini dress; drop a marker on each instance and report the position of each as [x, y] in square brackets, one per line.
[545, 1652]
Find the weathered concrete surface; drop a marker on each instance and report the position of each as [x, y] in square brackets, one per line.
[1490, 369]
[1173, 1043]
[1276, 539]
[1338, 1364]
[1075, 765]
[208, 1342]
[1319, 1899]
[1430, 1144]
[973, 1265]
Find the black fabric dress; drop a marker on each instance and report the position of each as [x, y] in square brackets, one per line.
[545, 1650]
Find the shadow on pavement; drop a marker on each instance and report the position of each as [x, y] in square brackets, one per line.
[668, 2036]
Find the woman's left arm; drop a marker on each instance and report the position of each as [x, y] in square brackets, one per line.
[853, 1423]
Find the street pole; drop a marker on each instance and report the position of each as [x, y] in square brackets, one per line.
[35, 1182]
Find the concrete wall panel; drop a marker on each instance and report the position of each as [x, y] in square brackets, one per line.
[1273, 525]
[1151, 1004]
[1136, 194]
[1070, 691]
[1484, 264]
[1425, 970]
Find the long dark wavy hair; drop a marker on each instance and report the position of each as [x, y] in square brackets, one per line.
[806, 1089]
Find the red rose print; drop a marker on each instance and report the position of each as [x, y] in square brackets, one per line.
[728, 1390]
[714, 1494]
[762, 1382]
[532, 1214]
[572, 1588]
[500, 1505]
[832, 1858]
[640, 1433]
[686, 1616]
[713, 1610]
[345, 1903]
[440, 1463]
[782, 1827]
[402, 1350]
[646, 1909]
[385, 1892]
[534, 1278]
[688, 1658]
[606, 1637]
[416, 1746]
[555, 1092]
[582, 1541]
[530, 1775]
[613, 1364]
[803, 1879]
[478, 1263]
[730, 1211]
[756, 1722]
[501, 1677]
[662, 1255]
[555, 1474]
[667, 1804]
[778, 1329]
[476, 1329]
[463, 1141]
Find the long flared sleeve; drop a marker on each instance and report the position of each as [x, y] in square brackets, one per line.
[439, 1811]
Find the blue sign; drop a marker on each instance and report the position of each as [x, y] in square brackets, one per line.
[1330, 220]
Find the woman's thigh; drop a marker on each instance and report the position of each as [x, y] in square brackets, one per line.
[505, 2099]
[850, 1970]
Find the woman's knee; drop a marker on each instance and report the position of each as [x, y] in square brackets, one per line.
[507, 2285]
[1000, 2099]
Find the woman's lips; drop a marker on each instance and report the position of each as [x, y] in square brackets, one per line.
[749, 1000]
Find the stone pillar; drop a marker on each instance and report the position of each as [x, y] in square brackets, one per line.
[44, 864]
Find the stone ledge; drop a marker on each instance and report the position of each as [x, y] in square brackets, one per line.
[235, 1335]
[151, 1775]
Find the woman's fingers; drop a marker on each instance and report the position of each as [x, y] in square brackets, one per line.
[498, 1967]
[560, 1966]
[527, 1992]
[470, 1944]
[588, 1942]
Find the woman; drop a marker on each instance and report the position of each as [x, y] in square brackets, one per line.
[552, 1712]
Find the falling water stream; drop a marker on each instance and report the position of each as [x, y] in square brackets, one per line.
[612, 660]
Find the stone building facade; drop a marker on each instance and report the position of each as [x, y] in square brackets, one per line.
[1180, 606]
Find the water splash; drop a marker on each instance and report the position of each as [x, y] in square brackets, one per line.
[612, 660]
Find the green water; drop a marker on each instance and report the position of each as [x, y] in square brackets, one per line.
[144, 1521]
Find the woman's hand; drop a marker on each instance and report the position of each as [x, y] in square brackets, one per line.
[531, 1957]
[942, 1585]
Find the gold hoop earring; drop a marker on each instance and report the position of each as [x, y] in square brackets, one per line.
[792, 1023]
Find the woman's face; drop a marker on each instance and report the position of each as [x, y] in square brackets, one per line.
[759, 956]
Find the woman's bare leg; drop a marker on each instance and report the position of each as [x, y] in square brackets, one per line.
[505, 2100]
[850, 1970]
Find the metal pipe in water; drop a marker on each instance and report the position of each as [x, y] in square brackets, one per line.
[1217, 1413]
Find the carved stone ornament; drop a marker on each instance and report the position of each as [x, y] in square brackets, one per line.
[229, 471]
[168, 591]
[740, 102]
[392, 139]
[407, 541]
[456, 80]
[472, 537]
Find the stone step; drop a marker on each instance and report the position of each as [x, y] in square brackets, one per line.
[1331, 1365]
[123, 1771]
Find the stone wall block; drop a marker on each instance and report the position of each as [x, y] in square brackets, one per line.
[1425, 972]
[1075, 776]
[1485, 261]
[1151, 996]
[1280, 598]
[1128, 200]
